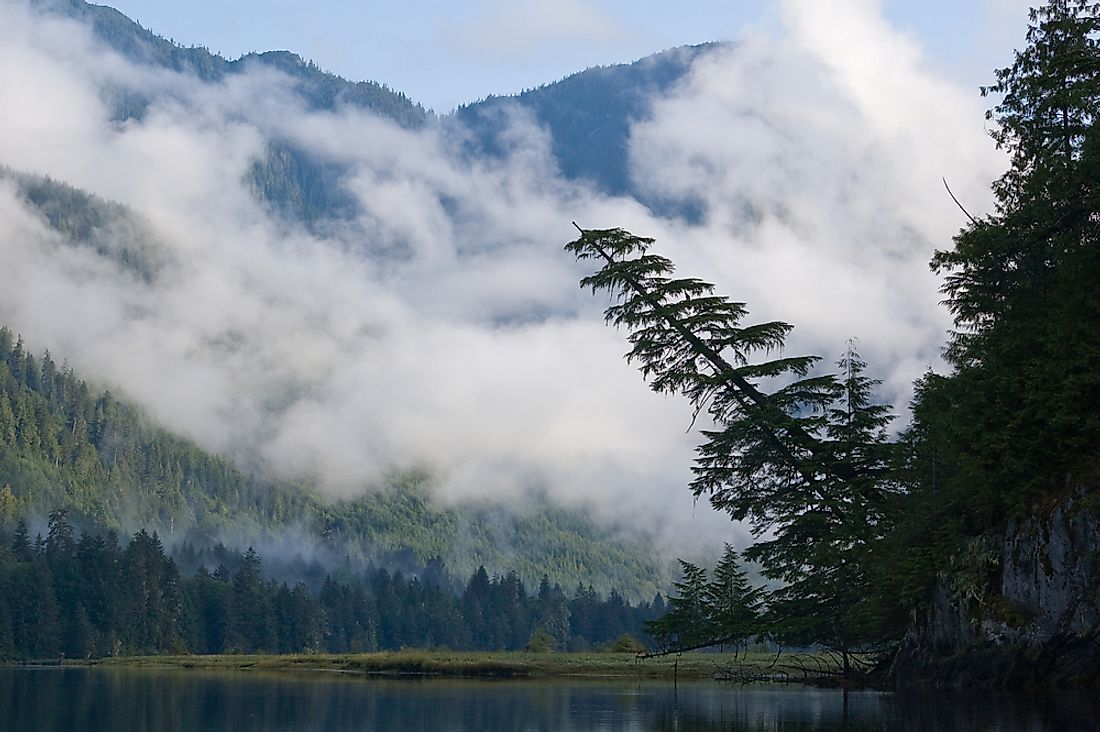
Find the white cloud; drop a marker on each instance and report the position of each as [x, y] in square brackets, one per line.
[444, 328]
[818, 157]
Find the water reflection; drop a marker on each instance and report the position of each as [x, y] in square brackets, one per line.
[86, 700]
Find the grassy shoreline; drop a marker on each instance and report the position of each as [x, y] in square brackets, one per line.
[458, 664]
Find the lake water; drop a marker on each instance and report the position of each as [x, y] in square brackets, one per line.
[120, 700]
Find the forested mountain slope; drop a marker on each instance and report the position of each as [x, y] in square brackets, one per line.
[587, 115]
[97, 454]
[317, 88]
[292, 181]
[66, 445]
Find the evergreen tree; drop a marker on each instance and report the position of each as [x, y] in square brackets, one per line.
[80, 639]
[251, 625]
[207, 601]
[8, 434]
[476, 608]
[1017, 417]
[7, 639]
[806, 464]
[298, 619]
[688, 623]
[690, 341]
[21, 545]
[582, 618]
[388, 590]
[154, 601]
[552, 615]
[825, 559]
[101, 591]
[733, 605]
[35, 617]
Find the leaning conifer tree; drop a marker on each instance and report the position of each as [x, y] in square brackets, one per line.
[802, 458]
[690, 341]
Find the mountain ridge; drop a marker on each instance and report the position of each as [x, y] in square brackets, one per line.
[318, 88]
[67, 445]
[587, 114]
[304, 188]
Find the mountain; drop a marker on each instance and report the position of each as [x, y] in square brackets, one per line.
[318, 89]
[63, 444]
[97, 454]
[588, 114]
[298, 185]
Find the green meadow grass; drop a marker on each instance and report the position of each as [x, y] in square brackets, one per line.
[477, 664]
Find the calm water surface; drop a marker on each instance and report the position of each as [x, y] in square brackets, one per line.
[83, 700]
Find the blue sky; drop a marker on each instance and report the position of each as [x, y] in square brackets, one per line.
[443, 53]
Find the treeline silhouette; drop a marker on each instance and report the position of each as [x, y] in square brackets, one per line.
[91, 597]
[64, 444]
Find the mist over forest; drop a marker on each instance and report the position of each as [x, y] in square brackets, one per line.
[330, 286]
[293, 363]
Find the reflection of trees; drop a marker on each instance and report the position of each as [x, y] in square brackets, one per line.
[79, 700]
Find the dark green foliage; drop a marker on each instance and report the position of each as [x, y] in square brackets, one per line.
[251, 619]
[828, 537]
[99, 458]
[688, 622]
[299, 620]
[733, 605]
[154, 602]
[36, 623]
[803, 458]
[206, 618]
[89, 597]
[352, 622]
[855, 531]
[723, 611]
[1019, 414]
[689, 341]
[551, 619]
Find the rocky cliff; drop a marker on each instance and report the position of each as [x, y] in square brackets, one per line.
[1020, 608]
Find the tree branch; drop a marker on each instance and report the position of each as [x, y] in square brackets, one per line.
[972, 219]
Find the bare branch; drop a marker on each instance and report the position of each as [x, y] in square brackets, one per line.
[972, 219]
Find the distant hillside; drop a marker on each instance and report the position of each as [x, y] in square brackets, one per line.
[319, 89]
[122, 472]
[294, 183]
[588, 114]
[65, 444]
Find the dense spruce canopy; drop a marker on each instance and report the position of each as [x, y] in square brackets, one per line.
[1020, 412]
[64, 444]
[723, 610]
[90, 597]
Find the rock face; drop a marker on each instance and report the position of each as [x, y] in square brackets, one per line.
[1021, 608]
